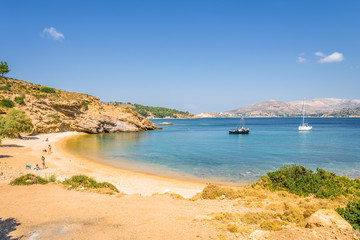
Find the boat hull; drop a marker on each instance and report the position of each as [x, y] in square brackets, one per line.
[305, 128]
[239, 131]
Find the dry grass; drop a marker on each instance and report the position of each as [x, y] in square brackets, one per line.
[272, 225]
[277, 209]
[257, 217]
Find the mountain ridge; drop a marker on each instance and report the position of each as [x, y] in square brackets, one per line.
[320, 107]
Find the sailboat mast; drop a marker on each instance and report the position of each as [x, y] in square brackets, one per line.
[304, 113]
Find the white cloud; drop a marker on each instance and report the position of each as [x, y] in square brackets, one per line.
[51, 32]
[334, 57]
[301, 59]
[319, 54]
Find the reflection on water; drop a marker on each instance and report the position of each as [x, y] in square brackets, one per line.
[102, 142]
[203, 148]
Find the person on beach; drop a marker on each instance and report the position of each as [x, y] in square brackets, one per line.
[49, 148]
[43, 161]
[37, 167]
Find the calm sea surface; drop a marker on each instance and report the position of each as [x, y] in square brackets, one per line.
[202, 149]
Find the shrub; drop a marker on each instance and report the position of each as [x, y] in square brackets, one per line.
[84, 105]
[292, 213]
[79, 181]
[28, 179]
[56, 117]
[232, 228]
[47, 90]
[20, 100]
[7, 103]
[272, 225]
[5, 88]
[257, 217]
[51, 178]
[351, 213]
[213, 192]
[301, 181]
[14, 123]
[38, 96]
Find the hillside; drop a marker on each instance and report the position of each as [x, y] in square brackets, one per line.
[54, 110]
[153, 112]
[345, 112]
[324, 105]
[270, 108]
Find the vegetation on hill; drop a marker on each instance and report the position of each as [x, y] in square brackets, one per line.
[346, 112]
[54, 110]
[4, 68]
[153, 112]
[14, 123]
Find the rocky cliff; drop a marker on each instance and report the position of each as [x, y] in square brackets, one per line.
[53, 110]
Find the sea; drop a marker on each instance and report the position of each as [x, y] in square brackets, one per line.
[203, 150]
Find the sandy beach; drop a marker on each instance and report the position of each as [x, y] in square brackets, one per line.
[64, 165]
[145, 209]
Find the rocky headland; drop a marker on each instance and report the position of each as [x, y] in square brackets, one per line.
[54, 110]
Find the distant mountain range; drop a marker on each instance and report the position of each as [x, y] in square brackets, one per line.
[323, 107]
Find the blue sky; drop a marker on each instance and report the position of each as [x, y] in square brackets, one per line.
[191, 55]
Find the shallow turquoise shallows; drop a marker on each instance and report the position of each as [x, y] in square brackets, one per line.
[203, 149]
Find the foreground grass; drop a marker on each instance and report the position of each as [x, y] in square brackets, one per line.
[78, 182]
[285, 198]
[85, 182]
[30, 179]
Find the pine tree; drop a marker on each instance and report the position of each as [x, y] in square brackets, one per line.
[4, 68]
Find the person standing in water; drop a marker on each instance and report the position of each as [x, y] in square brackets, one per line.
[43, 161]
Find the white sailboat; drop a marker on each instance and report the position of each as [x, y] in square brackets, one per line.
[241, 130]
[304, 126]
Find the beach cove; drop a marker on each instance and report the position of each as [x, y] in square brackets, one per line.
[150, 208]
[64, 164]
[202, 150]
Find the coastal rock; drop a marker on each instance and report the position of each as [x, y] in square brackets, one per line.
[68, 111]
[328, 218]
[165, 123]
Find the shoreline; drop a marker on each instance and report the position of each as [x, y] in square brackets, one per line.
[163, 174]
[64, 164]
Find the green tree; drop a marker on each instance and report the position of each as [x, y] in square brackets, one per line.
[14, 123]
[4, 68]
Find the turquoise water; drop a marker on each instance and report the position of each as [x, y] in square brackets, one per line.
[202, 149]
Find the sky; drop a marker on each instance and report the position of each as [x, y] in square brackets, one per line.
[197, 56]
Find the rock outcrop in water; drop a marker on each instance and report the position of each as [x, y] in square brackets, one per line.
[53, 110]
